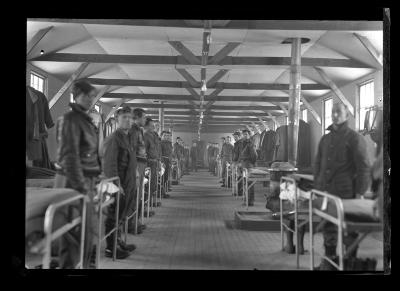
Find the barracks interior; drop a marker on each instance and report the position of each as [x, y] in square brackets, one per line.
[204, 144]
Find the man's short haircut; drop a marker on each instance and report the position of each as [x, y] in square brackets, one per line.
[148, 120]
[138, 113]
[165, 132]
[178, 138]
[81, 86]
[245, 130]
[237, 133]
[222, 137]
[341, 104]
[123, 110]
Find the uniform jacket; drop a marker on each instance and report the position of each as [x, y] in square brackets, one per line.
[77, 139]
[194, 152]
[236, 150]
[137, 142]
[119, 159]
[166, 149]
[247, 153]
[152, 143]
[227, 151]
[341, 166]
[281, 144]
[178, 151]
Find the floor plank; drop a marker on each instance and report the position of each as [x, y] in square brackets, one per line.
[189, 231]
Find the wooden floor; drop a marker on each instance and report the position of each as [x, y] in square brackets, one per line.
[191, 230]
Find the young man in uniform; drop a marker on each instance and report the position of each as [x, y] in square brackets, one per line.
[119, 160]
[226, 156]
[152, 144]
[137, 141]
[237, 135]
[247, 159]
[166, 158]
[342, 169]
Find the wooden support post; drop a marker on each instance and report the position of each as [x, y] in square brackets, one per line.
[294, 101]
[99, 95]
[335, 89]
[161, 117]
[36, 39]
[114, 109]
[67, 84]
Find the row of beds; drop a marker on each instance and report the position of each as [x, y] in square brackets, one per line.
[53, 212]
[312, 208]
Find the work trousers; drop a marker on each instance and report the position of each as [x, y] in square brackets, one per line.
[167, 171]
[330, 234]
[153, 183]
[225, 160]
[194, 164]
[110, 220]
[69, 248]
[138, 194]
[248, 165]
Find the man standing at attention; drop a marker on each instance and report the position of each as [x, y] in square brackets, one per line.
[341, 169]
[137, 142]
[152, 144]
[120, 161]
[226, 156]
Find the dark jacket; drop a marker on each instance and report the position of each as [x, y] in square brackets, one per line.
[194, 152]
[77, 153]
[236, 150]
[152, 145]
[178, 151]
[137, 142]
[247, 152]
[281, 144]
[120, 160]
[166, 149]
[342, 166]
[227, 151]
[215, 152]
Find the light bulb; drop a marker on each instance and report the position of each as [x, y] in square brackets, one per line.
[42, 52]
[204, 87]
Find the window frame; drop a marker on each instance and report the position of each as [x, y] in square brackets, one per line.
[40, 76]
[358, 100]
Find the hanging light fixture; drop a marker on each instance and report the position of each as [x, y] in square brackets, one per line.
[204, 87]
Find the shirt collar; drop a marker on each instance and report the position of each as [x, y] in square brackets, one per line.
[341, 127]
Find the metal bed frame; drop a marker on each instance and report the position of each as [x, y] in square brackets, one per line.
[133, 214]
[235, 181]
[51, 235]
[253, 180]
[227, 170]
[298, 215]
[100, 210]
[364, 228]
[147, 173]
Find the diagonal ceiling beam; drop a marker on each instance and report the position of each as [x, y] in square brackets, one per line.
[223, 53]
[67, 84]
[185, 52]
[281, 106]
[36, 39]
[371, 49]
[188, 77]
[218, 76]
[335, 89]
[212, 96]
[99, 95]
[115, 108]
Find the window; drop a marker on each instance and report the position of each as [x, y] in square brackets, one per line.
[97, 107]
[304, 115]
[37, 82]
[71, 98]
[327, 114]
[287, 120]
[366, 95]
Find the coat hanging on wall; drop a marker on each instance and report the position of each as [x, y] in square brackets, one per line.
[38, 120]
